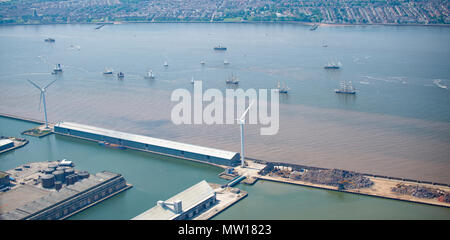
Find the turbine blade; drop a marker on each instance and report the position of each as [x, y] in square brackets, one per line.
[34, 84]
[48, 85]
[243, 115]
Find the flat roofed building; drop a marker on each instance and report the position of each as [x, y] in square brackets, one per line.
[5, 144]
[155, 145]
[194, 200]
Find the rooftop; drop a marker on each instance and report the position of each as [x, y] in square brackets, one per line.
[190, 198]
[5, 141]
[149, 140]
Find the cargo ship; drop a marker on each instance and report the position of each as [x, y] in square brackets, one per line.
[220, 48]
[346, 88]
[111, 145]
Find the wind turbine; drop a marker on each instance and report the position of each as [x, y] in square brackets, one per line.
[242, 123]
[42, 97]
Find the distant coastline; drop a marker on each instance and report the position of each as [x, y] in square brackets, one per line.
[239, 22]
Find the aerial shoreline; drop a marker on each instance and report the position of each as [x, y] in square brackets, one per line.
[236, 22]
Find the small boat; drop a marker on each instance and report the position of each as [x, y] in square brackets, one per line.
[232, 80]
[166, 64]
[100, 26]
[192, 80]
[225, 62]
[149, 75]
[57, 69]
[111, 145]
[108, 71]
[346, 88]
[51, 40]
[121, 75]
[202, 62]
[220, 48]
[333, 65]
[314, 27]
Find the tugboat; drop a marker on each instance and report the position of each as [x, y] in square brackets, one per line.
[346, 88]
[220, 48]
[149, 75]
[57, 69]
[51, 40]
[120, 75]
[108, 71]
[232, 80]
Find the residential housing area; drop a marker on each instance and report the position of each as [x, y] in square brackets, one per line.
[317, 11]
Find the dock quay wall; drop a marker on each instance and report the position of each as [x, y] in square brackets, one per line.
[296, 167]
[147, 147]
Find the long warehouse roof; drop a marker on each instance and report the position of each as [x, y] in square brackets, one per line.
[149, 140]
[190, 198]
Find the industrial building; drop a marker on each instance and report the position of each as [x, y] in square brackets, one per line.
[183, 206]
[43, 196]
[149, 144]
[5, 144]
[4, 180]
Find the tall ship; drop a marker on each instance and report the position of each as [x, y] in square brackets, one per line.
[283, 89]
[333, 65]
[149, 75]
[346, 88]
[232, 80]
[220, 48]
[57, 69]
[108, 71]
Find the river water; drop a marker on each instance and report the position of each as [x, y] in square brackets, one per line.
[398, 124]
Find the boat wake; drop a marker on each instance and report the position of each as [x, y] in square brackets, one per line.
[438, 82]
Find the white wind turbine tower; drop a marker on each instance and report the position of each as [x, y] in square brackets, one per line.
[242, 123]
[42, 97]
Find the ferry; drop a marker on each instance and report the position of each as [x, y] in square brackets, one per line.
[232, 80]
[111, 145]
[346, 88]
[57, 69]
[220, 48]
[120, 75]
